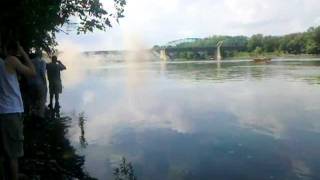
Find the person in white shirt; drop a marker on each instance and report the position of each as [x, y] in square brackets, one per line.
[11, 108]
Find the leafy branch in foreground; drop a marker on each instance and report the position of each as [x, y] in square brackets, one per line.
[36, 22]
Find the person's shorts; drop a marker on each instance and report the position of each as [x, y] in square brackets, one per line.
[11, 135]
[55, 87]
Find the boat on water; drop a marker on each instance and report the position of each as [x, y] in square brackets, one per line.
[262, 60]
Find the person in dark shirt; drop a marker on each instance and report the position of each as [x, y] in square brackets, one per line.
[55, 86]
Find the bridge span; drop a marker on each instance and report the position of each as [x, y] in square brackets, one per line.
[214, 52]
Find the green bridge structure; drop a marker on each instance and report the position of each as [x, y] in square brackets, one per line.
[171, 50]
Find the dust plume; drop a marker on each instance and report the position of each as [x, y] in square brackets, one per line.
[77, 63]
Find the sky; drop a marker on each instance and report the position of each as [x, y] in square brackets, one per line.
[156, 22]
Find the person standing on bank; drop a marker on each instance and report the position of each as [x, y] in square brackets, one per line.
[54, 77]
[11, 108]
[38, 86]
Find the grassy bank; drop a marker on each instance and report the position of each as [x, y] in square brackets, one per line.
[248, 55]
[277, 55]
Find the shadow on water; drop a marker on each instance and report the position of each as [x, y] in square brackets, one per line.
[48, 152]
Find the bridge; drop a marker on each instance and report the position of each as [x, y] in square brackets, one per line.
[180, 41]
[214, 52]
[211, 49]
[171, 50]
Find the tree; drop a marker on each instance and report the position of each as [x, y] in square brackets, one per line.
[258, 51]
[254, 42]
[296, 43]
[313, 41]
[35, 22]
[271, 43]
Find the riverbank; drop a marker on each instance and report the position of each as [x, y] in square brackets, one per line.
[248, 56]
[48, 152]
[275, 55]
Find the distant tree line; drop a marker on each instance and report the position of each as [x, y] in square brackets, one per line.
[296, 43]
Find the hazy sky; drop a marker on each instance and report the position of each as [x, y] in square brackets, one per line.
[151, 22]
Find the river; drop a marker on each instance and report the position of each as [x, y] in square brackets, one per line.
[199, 120]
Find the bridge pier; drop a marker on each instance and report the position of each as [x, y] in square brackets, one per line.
[163, 55]
[219, 57]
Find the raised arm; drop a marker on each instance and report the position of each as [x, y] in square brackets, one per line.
[28, 69]
[62, 66]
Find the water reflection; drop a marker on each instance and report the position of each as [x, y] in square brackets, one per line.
[82, 137]
[48, 153]
[200, 120]
[125, 171]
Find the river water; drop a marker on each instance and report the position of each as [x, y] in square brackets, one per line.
[199, 120]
